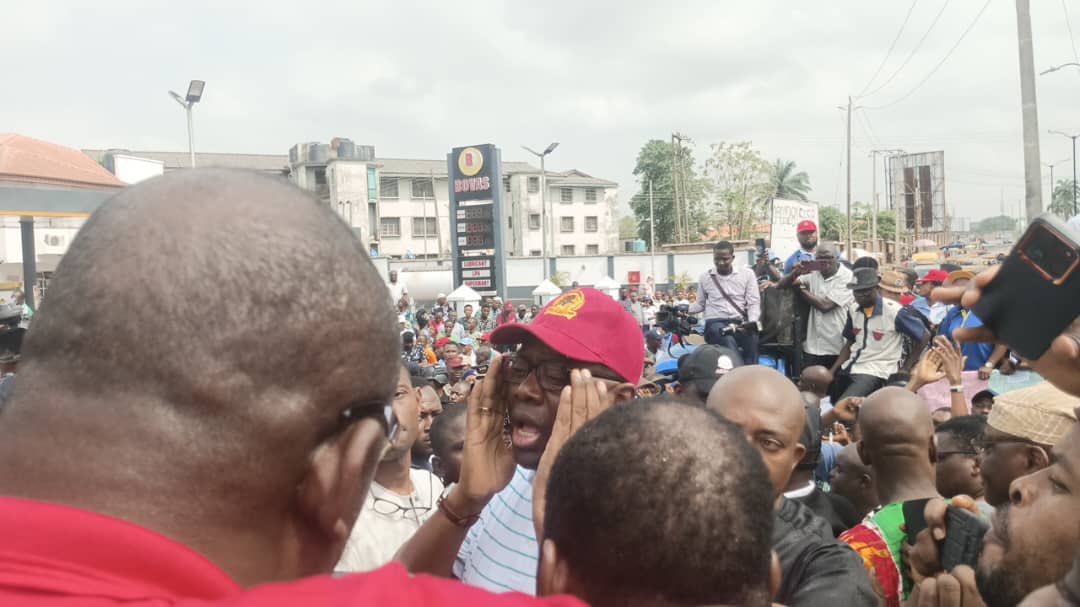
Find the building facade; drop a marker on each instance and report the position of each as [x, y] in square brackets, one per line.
[400, 207]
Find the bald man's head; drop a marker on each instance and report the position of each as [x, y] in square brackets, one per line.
[897, 431]
[771, 412]
[816, 379]
[218, 406]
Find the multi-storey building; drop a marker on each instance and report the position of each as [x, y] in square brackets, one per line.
[400, 207]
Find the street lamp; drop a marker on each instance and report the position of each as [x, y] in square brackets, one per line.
[544, 215]
[194, 94]
[1058, 67]
[1051, 165]
[1073, 137]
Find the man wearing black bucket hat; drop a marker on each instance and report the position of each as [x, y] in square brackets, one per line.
[874, 333]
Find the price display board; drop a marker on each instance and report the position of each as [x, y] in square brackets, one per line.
[475, 172]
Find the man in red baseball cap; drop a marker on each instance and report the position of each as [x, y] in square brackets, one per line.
[581, 329]
[807, 234]
[934, 312]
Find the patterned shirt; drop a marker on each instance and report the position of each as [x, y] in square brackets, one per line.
[500, 552]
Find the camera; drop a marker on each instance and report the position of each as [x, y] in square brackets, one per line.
[676, 319]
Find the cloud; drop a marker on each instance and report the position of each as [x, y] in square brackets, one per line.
[415, 78]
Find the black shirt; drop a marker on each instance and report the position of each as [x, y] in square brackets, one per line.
[835, 509]
[817, 570]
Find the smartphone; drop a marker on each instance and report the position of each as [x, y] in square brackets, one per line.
[1040, 270]
[815, 265]
[964, 533]
[914, 518]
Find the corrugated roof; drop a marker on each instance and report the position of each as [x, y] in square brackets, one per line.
[274, 163]
[27, 160]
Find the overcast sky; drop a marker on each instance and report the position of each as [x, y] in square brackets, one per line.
[417, 78]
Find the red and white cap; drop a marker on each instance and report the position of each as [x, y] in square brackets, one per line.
[806, 226]
[586, 325]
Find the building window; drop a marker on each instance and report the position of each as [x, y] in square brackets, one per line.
[534, 221]
[388, 187]
[534, 253]
[566, 224]
[590, 195]
[534, 185]
[592, 249]
[506, 184]
[423, 227]
[568, 249]
[390, 227]
[566, 195]
[320, 176]
[372, 184]
[591, 224]
[423, 189]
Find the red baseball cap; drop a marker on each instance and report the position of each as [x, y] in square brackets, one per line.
[938, 276]
[806, 226]
[587, 325]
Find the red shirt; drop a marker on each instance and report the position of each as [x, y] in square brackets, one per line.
[56, 556]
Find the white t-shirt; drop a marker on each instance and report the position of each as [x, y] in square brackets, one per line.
[825, 330]
[387, 521]
[397, 289]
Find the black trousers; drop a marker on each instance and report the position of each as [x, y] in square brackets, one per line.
[857, 384]
[745, 345]
[810, 360]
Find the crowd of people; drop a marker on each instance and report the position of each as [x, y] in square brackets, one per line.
[300, 447]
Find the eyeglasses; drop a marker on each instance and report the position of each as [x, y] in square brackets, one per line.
[552, 375]
[982, 447]
[355, 414]
[414, 511]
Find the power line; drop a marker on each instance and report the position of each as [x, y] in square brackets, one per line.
[940, 63]
[918, 45]
[891, 47]
[1065, 8]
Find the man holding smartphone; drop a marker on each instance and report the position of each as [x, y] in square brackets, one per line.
[823, 284]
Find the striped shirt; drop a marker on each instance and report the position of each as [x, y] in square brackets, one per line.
[500, 552]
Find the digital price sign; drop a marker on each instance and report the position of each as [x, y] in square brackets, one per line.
[475, 199]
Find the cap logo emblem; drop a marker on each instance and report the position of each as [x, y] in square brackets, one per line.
[567, 304]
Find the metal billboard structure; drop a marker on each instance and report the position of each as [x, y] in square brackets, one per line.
[917, 192]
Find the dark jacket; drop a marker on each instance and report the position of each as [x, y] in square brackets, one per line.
[817, 570]
[835, 509]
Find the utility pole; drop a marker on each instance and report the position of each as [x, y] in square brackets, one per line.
[1073, 137]
[675, 186]
[652, 237]
[849, 246]
[1032, 172]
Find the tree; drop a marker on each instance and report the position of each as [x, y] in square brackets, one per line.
[739, 186]
[833, 223]
[786, 183]
[1061, 201]
[654, 163]
[628, 228]
[1001, 223]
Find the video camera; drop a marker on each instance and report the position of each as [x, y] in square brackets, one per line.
[676, 319]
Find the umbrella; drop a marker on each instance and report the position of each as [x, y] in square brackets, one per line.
[925, 243]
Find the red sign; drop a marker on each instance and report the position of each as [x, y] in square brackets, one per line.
[476, 273]
[479, 263]
[477, 284]
[472, 184]
[633, 277]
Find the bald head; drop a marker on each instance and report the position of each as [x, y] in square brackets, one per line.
[771, 412]
[898, 442]
[816, 379]
[218, 406]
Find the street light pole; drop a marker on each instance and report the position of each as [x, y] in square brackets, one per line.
[194, 94]
[544, 215]
[1058, 67]
[1073, 137]
[1029, 110]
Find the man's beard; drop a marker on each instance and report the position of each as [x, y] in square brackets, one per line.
[810, 246]
[1000, 587]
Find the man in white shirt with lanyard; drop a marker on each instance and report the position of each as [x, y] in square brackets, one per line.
[732, 304]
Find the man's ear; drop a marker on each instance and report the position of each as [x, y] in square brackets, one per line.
[933, 453]
[622, 392]
[1037, 459]
[775, 575]
[337, 480]
[800, 451]
[864, 455]
[436, 466]
[554, 575]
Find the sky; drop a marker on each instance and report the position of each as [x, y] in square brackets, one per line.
[415, 79]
